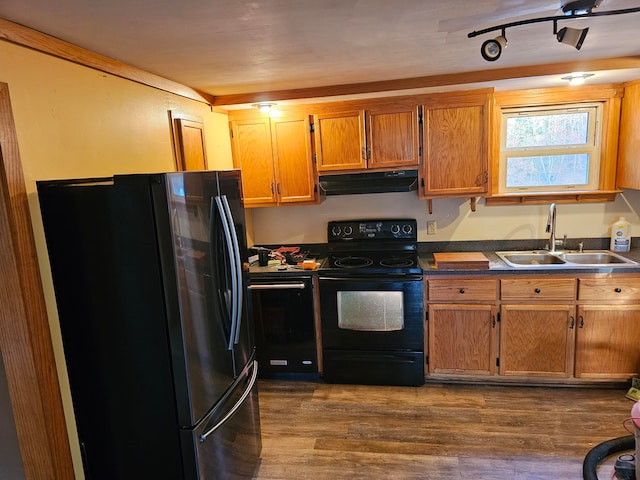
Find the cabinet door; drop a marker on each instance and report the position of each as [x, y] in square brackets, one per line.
[607, 341]
[629, 138]
[455, 150]
[340, 141]
[251, 142]
[392, 137]
[462, 339]
[295, 172]
[537, 340]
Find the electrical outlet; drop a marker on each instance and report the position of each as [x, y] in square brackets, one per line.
[431, 227]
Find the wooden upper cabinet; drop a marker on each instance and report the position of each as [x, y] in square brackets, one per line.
[340, 140]
[379, 137]
[295, 173]
[455, 143]
[393, 137]
[251, 145]
[629, 143]
[276, 159]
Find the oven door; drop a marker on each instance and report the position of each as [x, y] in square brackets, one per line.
[377, 313]
[372, 330]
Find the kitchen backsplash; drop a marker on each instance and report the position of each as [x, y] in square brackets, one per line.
[454, 219]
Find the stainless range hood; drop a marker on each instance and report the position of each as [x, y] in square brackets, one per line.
[375, 182]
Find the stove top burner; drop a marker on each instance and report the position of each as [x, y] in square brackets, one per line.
[374, 261]
[352, 262]
[396, 262]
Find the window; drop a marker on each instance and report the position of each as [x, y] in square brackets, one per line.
[550, 149]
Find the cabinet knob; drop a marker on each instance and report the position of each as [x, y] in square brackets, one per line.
[462, 290]
[618, 290]
[537, 290]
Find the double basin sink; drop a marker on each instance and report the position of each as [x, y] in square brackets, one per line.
[564, 259]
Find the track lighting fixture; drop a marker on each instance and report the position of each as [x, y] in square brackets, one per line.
[492, 49]
[572, 36]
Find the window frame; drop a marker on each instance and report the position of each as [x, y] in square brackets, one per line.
[592, 146]
[608, 95]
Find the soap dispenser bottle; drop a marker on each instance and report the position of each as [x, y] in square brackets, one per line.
[620, 239]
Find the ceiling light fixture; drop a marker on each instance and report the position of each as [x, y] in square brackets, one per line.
[264, 107]
[577, 78]
[572, 36]
[492, 49]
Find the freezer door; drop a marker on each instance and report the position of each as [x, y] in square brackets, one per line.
[203, 333]
[227, 443]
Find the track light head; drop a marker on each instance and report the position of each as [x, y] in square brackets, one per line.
[492, 49]
[580, 7]
[572, 36]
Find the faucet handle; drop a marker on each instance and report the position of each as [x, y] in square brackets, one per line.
[580, 246]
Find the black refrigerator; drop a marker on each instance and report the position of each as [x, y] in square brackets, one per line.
[150, 289]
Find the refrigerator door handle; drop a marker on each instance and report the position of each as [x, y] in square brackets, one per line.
[238, 268]
[236, 407]
[232, 262]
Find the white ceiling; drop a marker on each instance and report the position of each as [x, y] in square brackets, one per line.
[225, 47]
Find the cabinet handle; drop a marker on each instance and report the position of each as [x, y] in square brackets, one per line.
[537, 290]
[364, 153]
[278, 188]
[581, 325]
[573, 322]
[272, 187]
[462, 290]
[617, 290]
[493, 323]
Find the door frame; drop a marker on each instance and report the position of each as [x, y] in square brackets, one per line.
[25, 339]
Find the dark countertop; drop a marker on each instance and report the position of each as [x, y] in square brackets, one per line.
[488, 247]
[497, 266]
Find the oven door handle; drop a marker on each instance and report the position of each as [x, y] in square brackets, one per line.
[385, 278]
[278, 286]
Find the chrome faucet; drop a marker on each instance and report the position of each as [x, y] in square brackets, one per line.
[551, 229]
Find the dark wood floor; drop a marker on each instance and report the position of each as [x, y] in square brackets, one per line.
[326, 431]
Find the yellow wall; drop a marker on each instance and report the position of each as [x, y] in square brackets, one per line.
[74, 122]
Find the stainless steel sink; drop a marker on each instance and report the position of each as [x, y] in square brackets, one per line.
[594, 258]
[564, 259]
[532, 258]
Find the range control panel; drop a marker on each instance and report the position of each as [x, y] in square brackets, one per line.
[364, 230]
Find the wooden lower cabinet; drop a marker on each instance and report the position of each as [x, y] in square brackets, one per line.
[537, 340]
[462, 339]
[608, 342]
[549, 328]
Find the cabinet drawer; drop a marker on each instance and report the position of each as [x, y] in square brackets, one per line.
[538, 289]
[609, 289]
[461, 290]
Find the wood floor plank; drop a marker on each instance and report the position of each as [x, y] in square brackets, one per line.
[330, 431]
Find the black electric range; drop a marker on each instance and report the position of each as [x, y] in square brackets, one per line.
[371, 247]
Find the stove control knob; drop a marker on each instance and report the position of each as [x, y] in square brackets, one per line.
[335, 231]
[348, 231]
[395, 229]
[406, 228]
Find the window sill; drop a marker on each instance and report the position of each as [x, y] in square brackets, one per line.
[537, 198]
